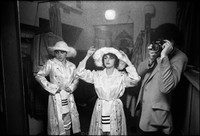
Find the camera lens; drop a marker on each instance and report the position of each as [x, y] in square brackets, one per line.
[157, 45]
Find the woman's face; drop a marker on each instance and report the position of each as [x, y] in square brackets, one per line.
[60, 55]
[109, 61]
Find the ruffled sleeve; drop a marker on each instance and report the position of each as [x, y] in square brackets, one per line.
[84, 74]
[131, 78]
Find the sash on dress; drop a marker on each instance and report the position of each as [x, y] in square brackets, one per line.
[105, 117]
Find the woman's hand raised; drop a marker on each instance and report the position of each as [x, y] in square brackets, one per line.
[91, 51]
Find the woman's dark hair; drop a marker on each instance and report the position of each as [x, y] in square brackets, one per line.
[111, 55]
[168, 31]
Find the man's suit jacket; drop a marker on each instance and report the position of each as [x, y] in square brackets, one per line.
[155, 91]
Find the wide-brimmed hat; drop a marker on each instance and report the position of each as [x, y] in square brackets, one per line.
[97, 56]
[62, 46]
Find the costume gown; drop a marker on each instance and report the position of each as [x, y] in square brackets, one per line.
[59, 75]
[109, 89]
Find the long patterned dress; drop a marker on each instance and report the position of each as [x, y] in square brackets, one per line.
[109, 89]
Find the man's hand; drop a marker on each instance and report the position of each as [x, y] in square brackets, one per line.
[167, 48]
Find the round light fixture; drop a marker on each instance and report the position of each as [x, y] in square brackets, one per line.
[110, 14]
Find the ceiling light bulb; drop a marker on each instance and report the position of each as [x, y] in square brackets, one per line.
[110, 14]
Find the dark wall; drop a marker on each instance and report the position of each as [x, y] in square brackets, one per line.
[14, 111]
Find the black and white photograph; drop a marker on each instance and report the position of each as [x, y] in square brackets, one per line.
[100, 68]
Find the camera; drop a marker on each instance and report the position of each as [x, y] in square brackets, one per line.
[157, 45]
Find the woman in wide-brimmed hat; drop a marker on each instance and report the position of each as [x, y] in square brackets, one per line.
[108, 115]
[62, 112]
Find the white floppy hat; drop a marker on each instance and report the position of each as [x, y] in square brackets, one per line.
[97, 56]
[61, 45]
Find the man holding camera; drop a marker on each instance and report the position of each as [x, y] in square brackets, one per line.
[160, 74]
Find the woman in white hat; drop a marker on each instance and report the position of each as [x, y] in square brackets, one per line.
[62, 112]
[108, 115]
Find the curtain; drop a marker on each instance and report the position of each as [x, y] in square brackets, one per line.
[188, 22]
[137, 55]
[55, 19]
[186, 108]
[40, 48]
